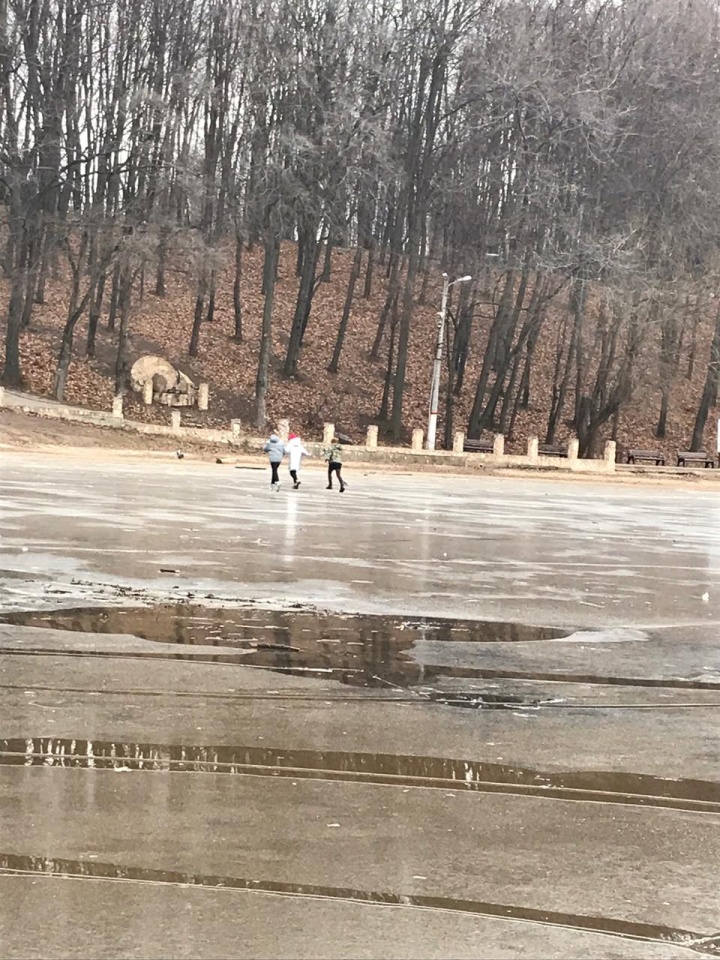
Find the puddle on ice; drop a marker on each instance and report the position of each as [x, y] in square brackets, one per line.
[358, 650]
[367, 651]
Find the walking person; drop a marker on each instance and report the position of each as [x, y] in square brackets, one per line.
[275, 449]
[333, 456]
[296, 451]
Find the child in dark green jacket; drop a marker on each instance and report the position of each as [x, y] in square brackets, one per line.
[333, 456]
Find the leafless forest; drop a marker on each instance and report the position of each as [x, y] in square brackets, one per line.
[563, 153]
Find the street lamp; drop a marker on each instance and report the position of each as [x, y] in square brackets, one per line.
[437, 365]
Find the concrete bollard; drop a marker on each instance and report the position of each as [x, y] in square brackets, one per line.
[2, 396]
[498, 445]
[610, 454]
[283, 429]
[203, 396]
[328, 433]
[573, 449]
[175, 420]
[148, 392]
[532, 448]
[371, 438]
[117, 408]
[417, 440]
[235, 426]
[458, 443]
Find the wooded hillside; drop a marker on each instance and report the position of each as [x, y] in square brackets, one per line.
[268, 193]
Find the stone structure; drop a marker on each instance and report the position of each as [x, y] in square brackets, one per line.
[170, 387]
[371, 438]
[499, 445]
[417, 440]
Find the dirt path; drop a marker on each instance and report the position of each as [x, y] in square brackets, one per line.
[28, 432]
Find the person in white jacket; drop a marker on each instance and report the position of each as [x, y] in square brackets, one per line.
[296, 451]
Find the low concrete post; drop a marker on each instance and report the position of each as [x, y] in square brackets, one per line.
[117, 408]
[458, 442]
[610, 454]
[498, 445]
[532, 448]
[417, 440]
[283, 428]
[328, 433]
[203, 396]
[148, 392]
[175, 420]
[235, 427]
[573, 449]
[371, 438]
[2, 396]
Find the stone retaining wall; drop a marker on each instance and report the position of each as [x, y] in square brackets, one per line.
[369, 453]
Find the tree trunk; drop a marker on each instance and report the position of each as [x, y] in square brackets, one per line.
[237, 299]
[75, 311]
[95, 311]
[709, 393]
[404, 335]
[490, 355]
[304, 301]
[327, 264]
[160, 289]
[197, 319]
[661, 428]
[354, 274]
[114, 295]
[122, 363]
[11, 374]
[263, 371]
[560, 387]
[33, 270]
[693, 338]
[44, 266]
[388, 306]
[367, 289]
[210, 316]
[385, 405]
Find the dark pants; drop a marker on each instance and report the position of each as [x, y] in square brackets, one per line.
[275, 478]
[293, 474]
[334, 467]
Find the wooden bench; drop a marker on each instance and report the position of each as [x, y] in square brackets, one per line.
[478, 446]
[649, 456]
[687, 457]
[552, 450]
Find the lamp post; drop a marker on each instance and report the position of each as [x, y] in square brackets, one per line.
[437, 365]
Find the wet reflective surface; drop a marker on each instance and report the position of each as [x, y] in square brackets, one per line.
[446, 717]
[15, 865]
[367, 651]
[438, 772]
